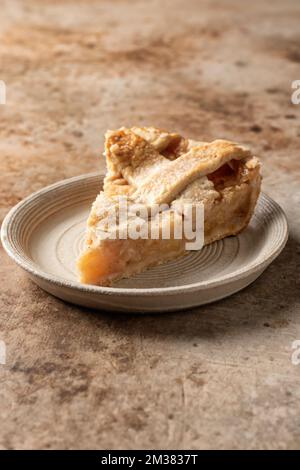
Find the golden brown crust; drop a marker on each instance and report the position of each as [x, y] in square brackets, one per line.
[170, 145]
[131, 155]
[157, 178]
[149, 166]
[169, 180]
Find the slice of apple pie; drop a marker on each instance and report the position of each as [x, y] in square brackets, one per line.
[147, 168]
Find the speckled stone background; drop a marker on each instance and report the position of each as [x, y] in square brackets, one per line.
[219, 376]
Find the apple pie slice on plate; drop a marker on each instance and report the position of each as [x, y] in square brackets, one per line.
[162, 172]
[157, 174]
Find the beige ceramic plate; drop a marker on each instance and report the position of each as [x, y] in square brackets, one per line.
[44, 234]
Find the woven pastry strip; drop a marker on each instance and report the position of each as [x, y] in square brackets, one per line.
[159, 180]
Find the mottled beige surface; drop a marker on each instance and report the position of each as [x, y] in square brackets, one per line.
[216, 377]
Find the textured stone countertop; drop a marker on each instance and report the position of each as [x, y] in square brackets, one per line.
[219, 376]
